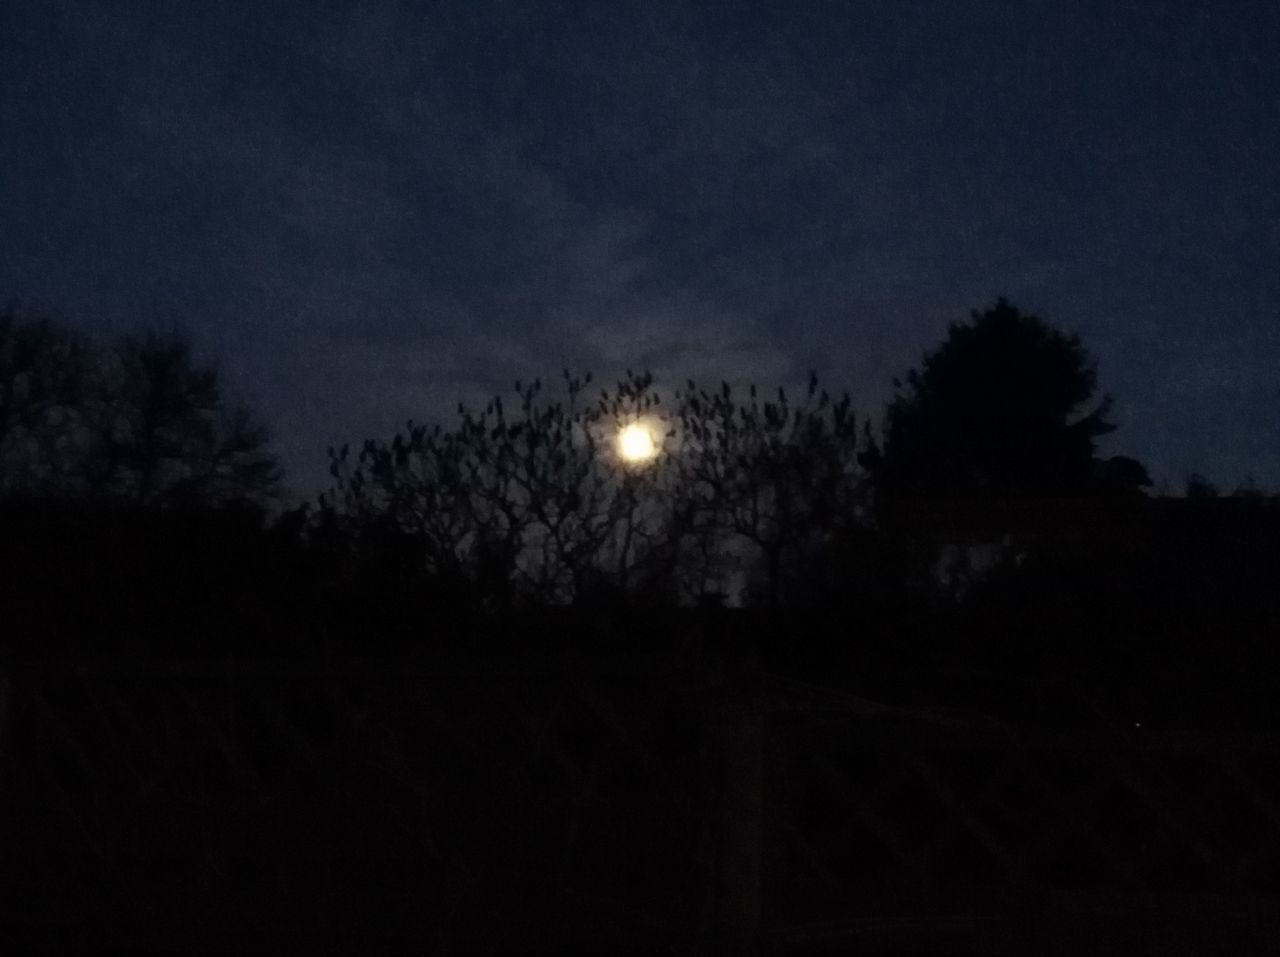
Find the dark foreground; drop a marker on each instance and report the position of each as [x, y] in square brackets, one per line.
[706, 794]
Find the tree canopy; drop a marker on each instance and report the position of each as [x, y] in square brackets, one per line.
[136, 419]
[1002, 407]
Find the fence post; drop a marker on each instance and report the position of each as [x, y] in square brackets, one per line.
[736, 726]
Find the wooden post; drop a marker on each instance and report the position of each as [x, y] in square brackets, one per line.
[736, 725]
[741, 845]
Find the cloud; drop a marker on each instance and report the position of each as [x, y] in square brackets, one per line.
[370, 209]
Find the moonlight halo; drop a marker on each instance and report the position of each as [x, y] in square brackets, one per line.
[636, 444]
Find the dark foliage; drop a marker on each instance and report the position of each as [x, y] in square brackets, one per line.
[120, 579]
[1000, 408]
[1168, 617]
[136, 420]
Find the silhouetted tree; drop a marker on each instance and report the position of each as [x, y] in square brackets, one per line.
[42, 382]
[159, 431]
[136, 420]
[527, 503]
[780, 477]
[994, 437]
[1199, 487]
[538, 504]
[998, 408]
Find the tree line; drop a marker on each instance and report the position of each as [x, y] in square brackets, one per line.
[762, 496]
[132, 484]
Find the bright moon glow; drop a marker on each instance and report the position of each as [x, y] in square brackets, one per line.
[635, 443]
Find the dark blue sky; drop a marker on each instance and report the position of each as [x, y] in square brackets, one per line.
[366, 211]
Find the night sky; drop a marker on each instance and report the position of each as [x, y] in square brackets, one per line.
[368, 211]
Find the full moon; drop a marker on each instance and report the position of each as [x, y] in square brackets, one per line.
[636, 445]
